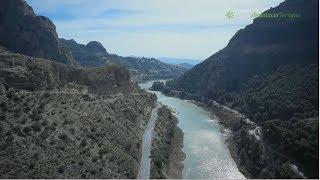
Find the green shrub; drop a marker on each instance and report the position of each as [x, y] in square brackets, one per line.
[64, 137]
[35, 116]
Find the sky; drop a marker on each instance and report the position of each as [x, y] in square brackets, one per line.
[193, 29]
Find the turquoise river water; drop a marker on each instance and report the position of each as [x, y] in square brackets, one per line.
[207, 156]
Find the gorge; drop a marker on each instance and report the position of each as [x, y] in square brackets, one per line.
[74, 110]
[207, 156]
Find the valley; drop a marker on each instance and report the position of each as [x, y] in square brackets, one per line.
[207, 156]
[71, 110]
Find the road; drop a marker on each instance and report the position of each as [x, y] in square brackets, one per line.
[144, 170]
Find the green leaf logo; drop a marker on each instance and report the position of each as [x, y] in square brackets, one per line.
[229, 14]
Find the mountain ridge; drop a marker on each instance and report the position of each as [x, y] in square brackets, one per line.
[269, 72]
[179, 60]
[22, 31]
[140, 68]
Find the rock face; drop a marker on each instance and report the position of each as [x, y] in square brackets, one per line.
[22, 31]
[94, 55]
[268, 72]
[61, 121]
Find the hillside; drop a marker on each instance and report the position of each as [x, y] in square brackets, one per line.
[65, 122]
[22, 31]
[59, 120]
[268, 72]
[94, 55]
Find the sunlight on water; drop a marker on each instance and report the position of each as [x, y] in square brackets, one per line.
[206, 154]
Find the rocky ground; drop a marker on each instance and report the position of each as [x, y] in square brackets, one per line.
[248, 148]
[167, 155]
[59, 121]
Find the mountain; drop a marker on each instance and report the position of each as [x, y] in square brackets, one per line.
[60, 121]
[185, 65]
[22, 31]
[94, 54]
[91, 55]
[179, 60]
[268, 72]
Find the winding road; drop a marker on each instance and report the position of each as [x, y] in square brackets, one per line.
[144, 170]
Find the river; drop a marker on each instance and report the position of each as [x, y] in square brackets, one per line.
[207, 156]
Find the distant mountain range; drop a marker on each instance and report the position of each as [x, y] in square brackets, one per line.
[94, 55]
[179, 60]
[185, 65]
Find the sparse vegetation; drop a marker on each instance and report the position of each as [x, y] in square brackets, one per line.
[97, 134]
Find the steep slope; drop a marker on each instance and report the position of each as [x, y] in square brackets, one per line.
[67, 122]
[94, 54]
[61, 121]
[259, 48]
[269, 72]
[22, 31]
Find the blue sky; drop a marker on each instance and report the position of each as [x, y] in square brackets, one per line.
[192, 29]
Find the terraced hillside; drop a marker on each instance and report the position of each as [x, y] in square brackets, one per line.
[59, 121]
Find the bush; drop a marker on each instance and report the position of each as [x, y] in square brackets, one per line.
[60, 170]
[3, 106]
[44, 134]
[3, 117]
[64, 137]
[35, 116]
[36, 127]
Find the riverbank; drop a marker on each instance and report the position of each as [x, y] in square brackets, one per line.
[226, 118]
[254, 156]
[207, 156]
[166, 153]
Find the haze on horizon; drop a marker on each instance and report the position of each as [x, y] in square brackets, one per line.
[193, 29]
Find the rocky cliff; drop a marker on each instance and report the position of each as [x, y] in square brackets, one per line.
[268, 72]
[22, 31]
